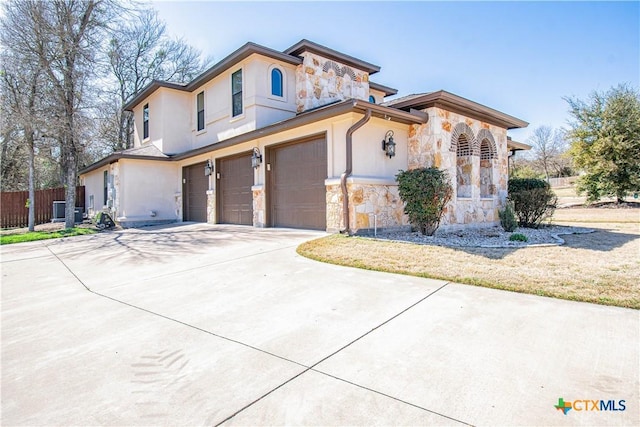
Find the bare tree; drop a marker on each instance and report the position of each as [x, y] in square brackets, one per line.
[139, 52]
[21, 86]
[62, 38]
[548, 148]
[12, 151]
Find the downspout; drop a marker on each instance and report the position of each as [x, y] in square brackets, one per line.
[349, 170]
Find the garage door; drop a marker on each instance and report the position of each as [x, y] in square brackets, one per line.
[194, 189]
[298, 192]
[235, 200]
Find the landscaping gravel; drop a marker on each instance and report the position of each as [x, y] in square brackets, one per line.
[492, 237]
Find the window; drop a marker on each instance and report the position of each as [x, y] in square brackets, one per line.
[487, 153]
[145, 121]
[105, 179]
[236, 93]
[276, 82]
[372, 99]
[464, 166]
[200, 107]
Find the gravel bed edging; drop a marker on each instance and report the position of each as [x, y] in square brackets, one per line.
[485, 237]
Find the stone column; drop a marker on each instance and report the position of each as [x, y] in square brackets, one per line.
[259, 206]
[211, 206]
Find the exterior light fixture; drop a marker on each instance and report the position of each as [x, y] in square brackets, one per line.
[389, 145]
[256, 158]
[208, 168]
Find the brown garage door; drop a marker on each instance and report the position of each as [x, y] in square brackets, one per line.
[298, 193]
[194, 189]
[235, 200]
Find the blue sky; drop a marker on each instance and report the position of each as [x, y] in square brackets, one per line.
[521, 58]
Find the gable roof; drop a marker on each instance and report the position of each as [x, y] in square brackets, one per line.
[146, 152]
[230, 60]
[290, 56]
[449, 101]
[305, 45]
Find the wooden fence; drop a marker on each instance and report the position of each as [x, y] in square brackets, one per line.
[15, 213]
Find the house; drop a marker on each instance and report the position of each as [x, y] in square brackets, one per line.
[301, 138]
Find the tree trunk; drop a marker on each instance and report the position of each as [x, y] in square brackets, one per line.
[32, 192]
[70, 191]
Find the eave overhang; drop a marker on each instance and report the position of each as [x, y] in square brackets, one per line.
[388, 91]
[237, 56]
[448, 101]
[322, 113]
[113, 158]
[305, 45]
[517, 146]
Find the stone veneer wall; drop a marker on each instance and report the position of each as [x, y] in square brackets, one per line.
[259, 206]
[430, 145]
[178, 204]
[211, 206]
[371, 204]
[320, 81]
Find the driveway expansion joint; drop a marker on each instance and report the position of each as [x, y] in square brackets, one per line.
[311, 368]
[172, 319]
[306, 368]
[390, 397]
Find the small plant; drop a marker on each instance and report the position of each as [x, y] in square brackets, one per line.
[533, 200]
[508, 219]
[103, 221]
[518, 237]
[425, 192]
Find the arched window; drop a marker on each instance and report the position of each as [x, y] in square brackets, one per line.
[464, 165]
[487, 154]
[276, 82]
[372, 99]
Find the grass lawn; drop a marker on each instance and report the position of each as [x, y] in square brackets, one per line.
[6, 239]
[601, 267]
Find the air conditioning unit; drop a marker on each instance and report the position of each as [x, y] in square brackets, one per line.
[59, 216]
[58, 211]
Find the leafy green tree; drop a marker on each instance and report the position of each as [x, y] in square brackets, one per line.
[605, 139]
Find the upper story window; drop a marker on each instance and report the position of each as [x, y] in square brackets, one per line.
[276, 82]
[145, 121]
[372, 99]
[200, 110]
[236, 93]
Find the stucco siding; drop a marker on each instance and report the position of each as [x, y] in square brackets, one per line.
[150, 190]
[175, 121]
[94, 190]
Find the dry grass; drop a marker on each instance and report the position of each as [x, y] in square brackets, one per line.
[601, 267]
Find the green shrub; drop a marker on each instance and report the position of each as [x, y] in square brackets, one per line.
[508, 219]
[518, 237]
[425, 192]
[533, 201]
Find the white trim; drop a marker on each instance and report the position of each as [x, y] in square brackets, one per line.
[270, 94]
[204, 110]
[241, 115]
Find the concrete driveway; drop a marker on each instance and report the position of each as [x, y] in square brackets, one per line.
[200, 325]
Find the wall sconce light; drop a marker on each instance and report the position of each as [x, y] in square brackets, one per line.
[208, 168]
[389, 145]
[256, 158]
